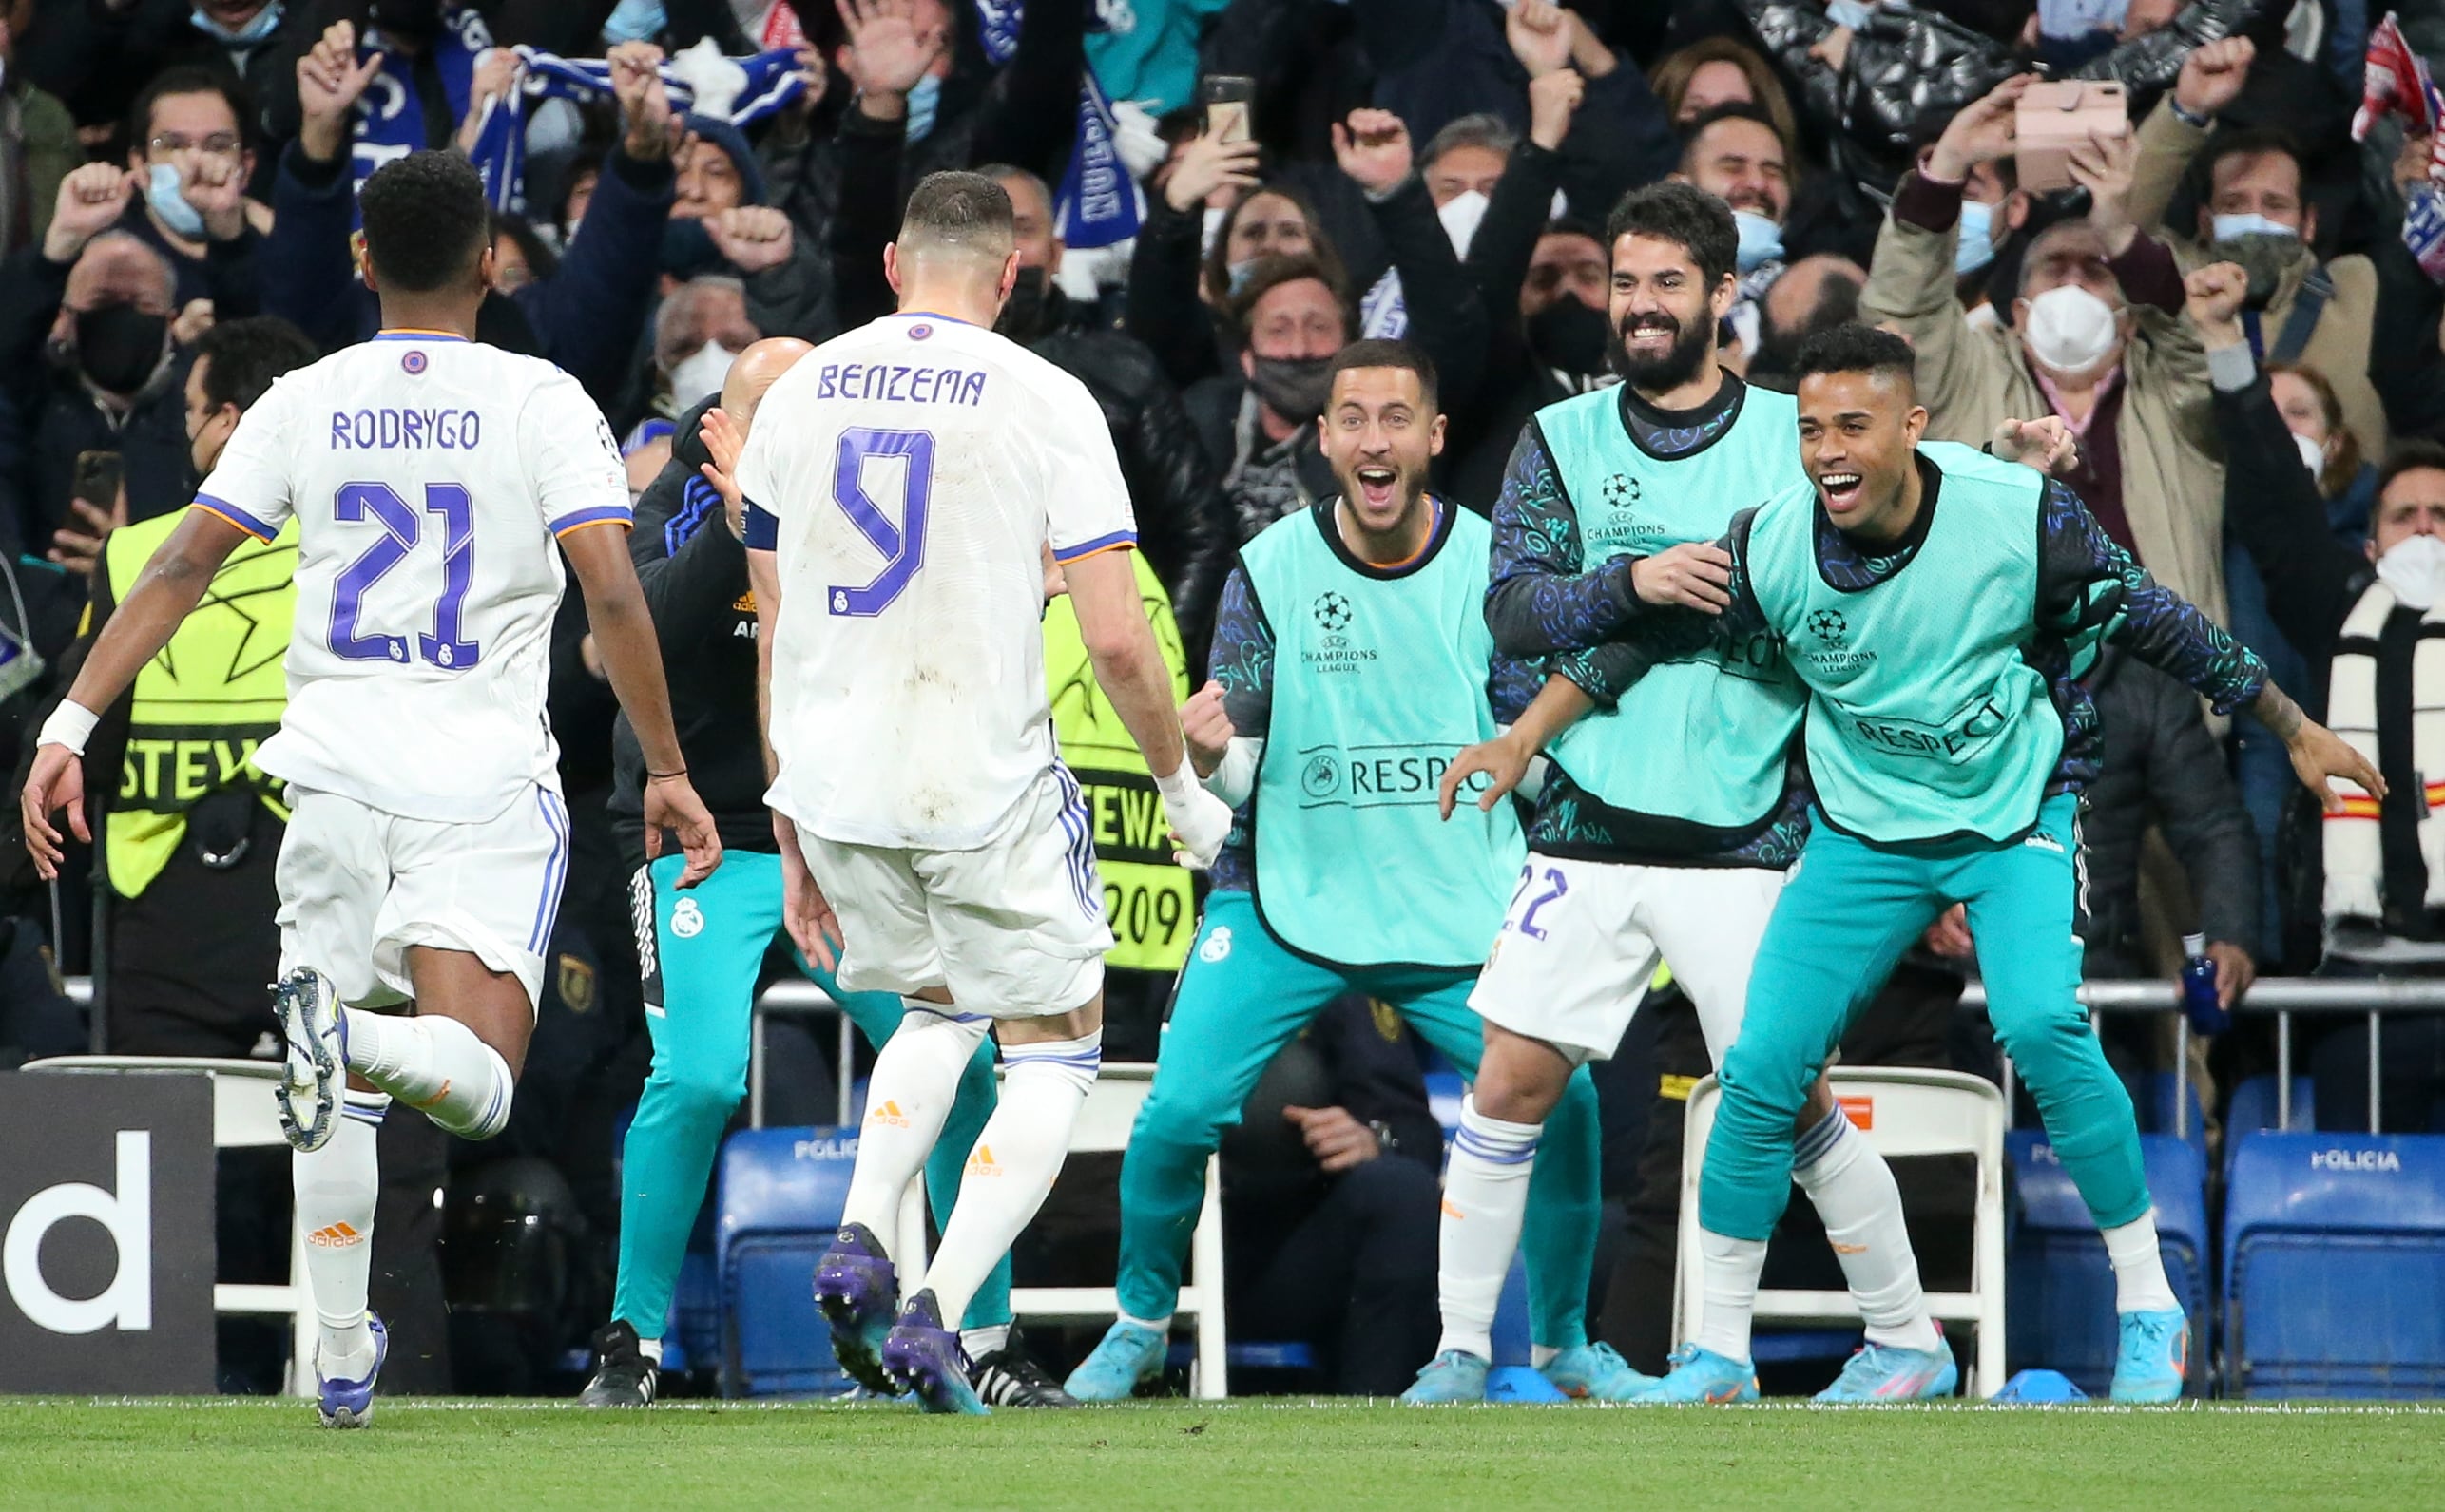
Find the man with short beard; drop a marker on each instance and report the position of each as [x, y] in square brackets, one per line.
[1669, 814]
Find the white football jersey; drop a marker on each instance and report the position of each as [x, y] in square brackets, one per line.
[429, 476]
[912, 472]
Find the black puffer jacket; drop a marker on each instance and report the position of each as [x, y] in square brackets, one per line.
[1909, 72]
[2161, 765]
[1183, 524]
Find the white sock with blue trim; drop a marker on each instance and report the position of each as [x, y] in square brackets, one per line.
[436, 1065]
[1010, 1172]
[1485, 1198]
[336, 1187]
[1854, 1193]
[915, 1082]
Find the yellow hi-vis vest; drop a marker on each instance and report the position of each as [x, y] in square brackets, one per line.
[1146, 895]
[200, 709]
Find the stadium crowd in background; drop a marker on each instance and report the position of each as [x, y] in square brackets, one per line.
[2234, 305]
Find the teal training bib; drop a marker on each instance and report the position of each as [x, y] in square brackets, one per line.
[1702, 740]
[1924, 721]
[1379, 680]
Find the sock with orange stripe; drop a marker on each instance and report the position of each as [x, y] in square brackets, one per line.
[1485, 1200]
[908, 1096]
[336, 1189]
[1854, 1195]
[1018, 1154]
[436, 1065]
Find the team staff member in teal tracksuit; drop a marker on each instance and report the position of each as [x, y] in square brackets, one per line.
[1939, 605]
[703, 950]
[1350, 662]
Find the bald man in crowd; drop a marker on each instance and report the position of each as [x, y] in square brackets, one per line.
[706, 946]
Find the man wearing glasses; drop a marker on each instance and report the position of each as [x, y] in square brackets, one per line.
[188, 166]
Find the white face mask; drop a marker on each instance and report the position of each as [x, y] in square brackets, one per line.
[1461, 215]
[700, 372]
[2414, 569]
[2313, 456]
[2069, 331]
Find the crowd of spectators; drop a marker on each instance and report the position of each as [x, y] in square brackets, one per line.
[2225, 306]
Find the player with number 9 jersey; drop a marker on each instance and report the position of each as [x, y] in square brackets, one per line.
[910, 513]
[429, 475]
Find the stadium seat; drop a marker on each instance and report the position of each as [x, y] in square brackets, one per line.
[1904, 1111]
[2333, 1265]
[2254, 1108]
[2061, 1286]
[2156, 1111]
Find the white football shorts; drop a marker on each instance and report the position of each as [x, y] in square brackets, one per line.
[359, 887]
[1582, 940]
[1014, 929]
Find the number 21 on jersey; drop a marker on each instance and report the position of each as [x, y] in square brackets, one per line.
[403, 529]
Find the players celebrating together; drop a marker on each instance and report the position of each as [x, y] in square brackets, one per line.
[1748, 687]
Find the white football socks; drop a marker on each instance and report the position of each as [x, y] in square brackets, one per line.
[2140, 1284]
[1853, 1191]
[336, 1190]
[1485, 1197]
[914, 1080]
[1010, 1172]
[436, 1065]
[1729, 1276]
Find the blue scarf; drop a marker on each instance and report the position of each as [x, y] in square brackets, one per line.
[1097, 202]
[389, 118]
[500, 150]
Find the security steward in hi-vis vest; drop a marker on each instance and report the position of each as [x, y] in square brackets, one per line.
[1350, 662]
[192, 826]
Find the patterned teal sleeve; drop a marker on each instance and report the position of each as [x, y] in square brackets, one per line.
[1243, 656]
[2087, 582]
[1540, 598]
[1605, 672]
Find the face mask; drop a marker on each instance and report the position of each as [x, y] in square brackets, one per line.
[2414, 569]
[263, 24]
[923, 101]
[634, 21]
[688, 249]
[1461, 215]
[1294, 388]
[1023, 313]
[162, 193]
[700, 372]
[119, 346]
[1761, 240]
[2068, 330]
[1567, 336]
[2313, 456]
[1213, 228]
[1976, 247]
[1852, 13]
[1240, 273]
[2261, 247]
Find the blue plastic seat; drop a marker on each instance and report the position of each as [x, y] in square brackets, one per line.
[1444, 1090]
[778, 1204]
[2253, 1107]
[2156, 1111]
[2334, 1266]
[2058, 1284]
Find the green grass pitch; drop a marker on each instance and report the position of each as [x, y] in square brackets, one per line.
[1244, 1456]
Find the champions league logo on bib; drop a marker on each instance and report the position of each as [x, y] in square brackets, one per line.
[1829, 626]
[1621, 489]
[1832, 652]
[1332, 651]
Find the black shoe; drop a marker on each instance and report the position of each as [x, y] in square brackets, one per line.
[1007, 1378]
[623, 1376]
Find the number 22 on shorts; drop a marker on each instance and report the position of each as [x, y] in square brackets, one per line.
[902, 543]
[1554, 887]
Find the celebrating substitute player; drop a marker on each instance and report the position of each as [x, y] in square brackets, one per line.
[1351, 662]
[903, 484]
[1669, 814]
[429, 477]
[1937, 603]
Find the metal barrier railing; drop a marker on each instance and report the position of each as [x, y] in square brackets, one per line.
[2319, 997]
[2283, 997]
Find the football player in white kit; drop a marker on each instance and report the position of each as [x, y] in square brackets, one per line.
[430, 478]
[904, 485]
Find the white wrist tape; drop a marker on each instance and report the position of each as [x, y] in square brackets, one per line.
[70, 724]
[1180, 789]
